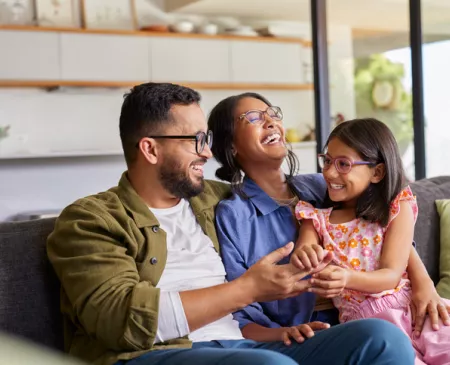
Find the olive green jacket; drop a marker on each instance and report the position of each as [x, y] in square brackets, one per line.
[109, 253]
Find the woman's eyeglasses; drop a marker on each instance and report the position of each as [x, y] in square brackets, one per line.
[258, 117]
[201, 139]
[343, 165]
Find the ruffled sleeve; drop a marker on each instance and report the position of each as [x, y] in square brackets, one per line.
[405, 195]
[304, 210]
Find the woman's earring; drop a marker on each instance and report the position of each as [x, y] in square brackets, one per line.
[233, 151]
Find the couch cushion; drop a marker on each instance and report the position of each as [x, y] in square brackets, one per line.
[29, 289]
[443, 287]
[427, 231]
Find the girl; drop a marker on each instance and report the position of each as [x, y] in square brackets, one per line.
[368, 227]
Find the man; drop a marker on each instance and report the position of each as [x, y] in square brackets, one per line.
[142, 279]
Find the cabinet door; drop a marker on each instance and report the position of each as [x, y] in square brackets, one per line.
[266, 62]
[29, 55]
[190, 60]
[92, 57]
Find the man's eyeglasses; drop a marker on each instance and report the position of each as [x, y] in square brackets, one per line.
[343, 165]
[257, 116]
[201, 139]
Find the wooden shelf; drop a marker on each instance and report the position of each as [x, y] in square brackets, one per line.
[50, 84]
[139, 33]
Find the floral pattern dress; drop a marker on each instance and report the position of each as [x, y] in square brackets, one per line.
[356, 245]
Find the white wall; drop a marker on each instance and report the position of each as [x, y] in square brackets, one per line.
[37, 116]
[52, 183]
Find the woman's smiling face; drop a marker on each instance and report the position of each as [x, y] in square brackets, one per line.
[255, 139]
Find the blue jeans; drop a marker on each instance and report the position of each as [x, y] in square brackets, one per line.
[362, 342]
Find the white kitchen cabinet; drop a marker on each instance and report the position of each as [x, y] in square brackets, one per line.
[267, 62]
[104, 57]
[29, 55]
[189, 60]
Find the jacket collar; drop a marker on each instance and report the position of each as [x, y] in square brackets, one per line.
[134, 204]
[142, 214]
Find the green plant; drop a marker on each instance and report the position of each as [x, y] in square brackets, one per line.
[398, 115]
[4, 132]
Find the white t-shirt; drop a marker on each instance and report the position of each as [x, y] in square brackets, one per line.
[192, 263]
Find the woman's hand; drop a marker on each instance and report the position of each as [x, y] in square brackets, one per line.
[330, 282]
[301, 332]
[425, 300]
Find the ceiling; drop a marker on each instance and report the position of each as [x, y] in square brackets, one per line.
[378, 15]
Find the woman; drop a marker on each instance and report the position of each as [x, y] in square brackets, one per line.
[259, 217]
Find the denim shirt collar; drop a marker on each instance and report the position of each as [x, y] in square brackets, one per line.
[265, 204]
[258, 197]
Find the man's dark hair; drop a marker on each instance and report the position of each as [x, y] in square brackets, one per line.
[146, 109]
[375, 143]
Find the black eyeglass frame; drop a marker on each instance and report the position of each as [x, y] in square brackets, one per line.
[201, 139]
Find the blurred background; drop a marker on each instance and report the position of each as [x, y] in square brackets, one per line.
[65, 66]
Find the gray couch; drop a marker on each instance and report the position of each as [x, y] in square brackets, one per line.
[29, 289]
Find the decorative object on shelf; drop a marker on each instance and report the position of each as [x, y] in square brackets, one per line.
[291, 30]
[17, 12]
[55, 13]
[308, 76]
[182, 26]
[338, 119]
[383, 93]
[311, 135]
[292, 135]
[208, 28]
[242, 30]
[4, 132]
[161, 28]
[109, 14]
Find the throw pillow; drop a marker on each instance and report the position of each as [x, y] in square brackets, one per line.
[443, 287]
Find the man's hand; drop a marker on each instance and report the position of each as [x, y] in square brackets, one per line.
[266, 281]
[330, 282]
[425, 300]
[299, 333]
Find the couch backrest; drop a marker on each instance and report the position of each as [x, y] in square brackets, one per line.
[29, 288]
[427, 231]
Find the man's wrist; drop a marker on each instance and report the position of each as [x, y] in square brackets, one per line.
[244, 289]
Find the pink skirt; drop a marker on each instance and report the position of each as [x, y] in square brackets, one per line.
[432, 347]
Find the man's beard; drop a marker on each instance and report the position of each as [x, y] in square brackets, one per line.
[177, 182]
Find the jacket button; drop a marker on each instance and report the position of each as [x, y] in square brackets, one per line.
[153, 260]
[155, 229]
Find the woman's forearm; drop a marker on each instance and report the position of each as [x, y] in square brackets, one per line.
[417, 272]
[256, 332]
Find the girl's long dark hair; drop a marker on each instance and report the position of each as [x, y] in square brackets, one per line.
[374, 142]
[221, 123]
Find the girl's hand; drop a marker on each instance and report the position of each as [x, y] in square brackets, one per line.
[330, 282]
[426, 300]
[307, 257]
[299, 333]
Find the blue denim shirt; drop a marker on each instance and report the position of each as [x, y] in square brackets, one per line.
[249, 229]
